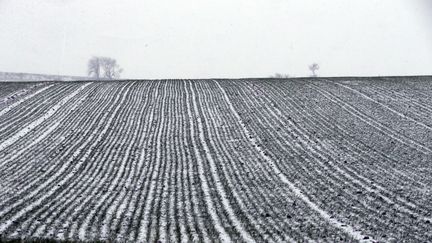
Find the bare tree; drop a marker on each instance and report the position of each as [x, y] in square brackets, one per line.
[314, 67]
[104, 68]
[111, 69]
[94, 67]
[279, 75]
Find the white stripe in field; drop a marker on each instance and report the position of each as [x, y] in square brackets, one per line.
[37, 122]
[326, 216]
[320, 152]
[219, 187]
[163, 191]
[146, 217]
[82, 231]
[113, 209]
[23, 92]
[2, 112]
[40, 138]
[27, 224]
[375, 124]
[189, 174]
[212, 116]
[88, 150]
[223, 235]
[383, 105]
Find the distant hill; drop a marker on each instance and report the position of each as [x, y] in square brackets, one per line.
[8, 76]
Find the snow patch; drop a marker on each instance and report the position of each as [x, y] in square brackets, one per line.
[37, 122]
[326, 216]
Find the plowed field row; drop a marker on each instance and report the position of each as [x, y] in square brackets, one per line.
[217, 160]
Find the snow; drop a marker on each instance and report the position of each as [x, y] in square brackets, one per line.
[20, 101]
[40, 120]
[325, 215]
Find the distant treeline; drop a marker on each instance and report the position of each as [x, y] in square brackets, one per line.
[9, 76]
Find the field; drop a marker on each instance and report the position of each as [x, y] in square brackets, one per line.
[32, 77]
[343, 159]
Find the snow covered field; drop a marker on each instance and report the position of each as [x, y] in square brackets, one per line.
[32, 77]
[217, 160]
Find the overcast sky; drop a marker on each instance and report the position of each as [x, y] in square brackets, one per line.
[218, 38]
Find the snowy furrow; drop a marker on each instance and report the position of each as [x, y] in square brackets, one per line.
[120, 207]
[321, 120]
[260, 145]
[324, 214]
[191, 175]
[72, 191]
[20, 101]
[373, 123]
[222, 234]
[55, 140]
[30, 170]
[220, 190]
[78, 196]
[10, 91]
[180, 223]
[357, 182]
[331, 180]
[5, 188]
[160, 211]
[21, 165]
[263, 176]
[91, 141]
[164, 198]
[108, 204]
[46, 212]
[344, 140]
[54, 177]
[35, 123]
[159, 223]
[217, 160]
[355, 151]
[34, 142]
[230, 165]
[135, 209]
[386, 93]
[402, 117]
[303, 173]
[147, 230]
[28, 175]
[88, 150]
[28, 111]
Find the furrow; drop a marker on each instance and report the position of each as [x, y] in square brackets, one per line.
[63, 198]
[324, 214]
[220, 190]
[35, 123]
[231, 160]
[146, 232]
[405, 207]
[20, 101]
[33, 108]
[61, 171]
[196, 213]
[222, 234]
[16, 165]
[376, 125]
[31, 173]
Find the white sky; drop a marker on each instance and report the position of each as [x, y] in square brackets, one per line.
[218, 38]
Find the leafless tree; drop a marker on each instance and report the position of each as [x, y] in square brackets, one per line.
[104, 68]
[314, 67]
[94, 67]
[279, 75]
[111, 69]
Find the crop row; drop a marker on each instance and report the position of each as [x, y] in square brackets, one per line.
[319, 141]
[208, 160]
